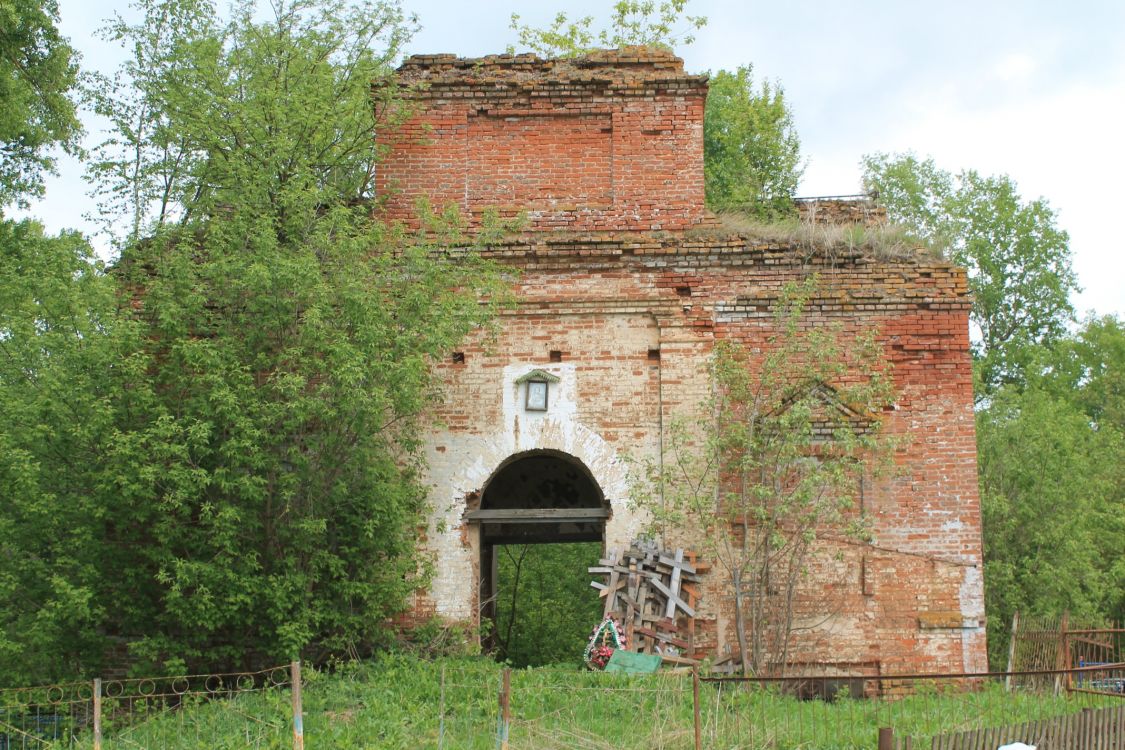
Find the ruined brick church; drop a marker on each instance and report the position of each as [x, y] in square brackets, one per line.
[624, 285]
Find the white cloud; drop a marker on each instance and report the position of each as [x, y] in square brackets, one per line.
[1014, 67]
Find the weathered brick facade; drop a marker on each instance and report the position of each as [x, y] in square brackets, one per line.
[624, 285]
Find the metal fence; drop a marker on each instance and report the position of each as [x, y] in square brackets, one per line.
[912, 710]
[543, 709]
[152, 712]
[1038, 643]
[471, 705]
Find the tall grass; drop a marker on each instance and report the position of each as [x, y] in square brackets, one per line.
[403, 702]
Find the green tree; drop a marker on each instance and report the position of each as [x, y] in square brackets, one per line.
[1089, 368]
[633, 22]
[209, 115]
[60, 355]
[214, 448]
[1053, 486]
[545, 608]
[56, 310]
[764, 483]
[1017, 258]
[751, 153]
[290, 339]
[37, 72]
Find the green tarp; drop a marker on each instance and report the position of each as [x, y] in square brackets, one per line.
[627, 661]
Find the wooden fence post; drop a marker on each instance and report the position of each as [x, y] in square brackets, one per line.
[1012, 651]
[295, 691]
[695, 707]
[1062, 657]
[97, 713]
[505, 708]
[886, 738]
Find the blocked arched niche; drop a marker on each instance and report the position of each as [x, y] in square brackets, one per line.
[540, 496]
[541, 479]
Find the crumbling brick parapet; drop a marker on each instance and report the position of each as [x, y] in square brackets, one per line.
[609, 141]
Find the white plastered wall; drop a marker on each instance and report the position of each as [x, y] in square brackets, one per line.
[467, 461]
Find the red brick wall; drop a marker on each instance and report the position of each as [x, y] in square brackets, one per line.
[612, 141]
[910, 600]
[610, 146]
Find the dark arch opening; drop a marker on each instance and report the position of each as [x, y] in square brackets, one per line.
[539, 497]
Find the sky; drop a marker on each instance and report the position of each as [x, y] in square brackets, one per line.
[1034, 89]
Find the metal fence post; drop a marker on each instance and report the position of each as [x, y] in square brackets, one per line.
[505, 708]
[97, 713]
[441, 713]
[886, 738]
[695, 707]
[295, 690]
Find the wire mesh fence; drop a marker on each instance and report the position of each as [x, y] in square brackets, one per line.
[601, 710]
[848, 712]
[471, 704]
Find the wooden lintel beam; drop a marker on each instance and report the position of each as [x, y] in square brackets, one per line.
[537, 515]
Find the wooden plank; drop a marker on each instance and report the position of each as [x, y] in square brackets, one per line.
[675, 659]
[678, 642]
[675, 599]
[1011, 650]
[611, 596]
[642, 601]
[631, 603]
[1062, 658]
[674, 584]
[651, 617]
[677, 561]
[536, 515]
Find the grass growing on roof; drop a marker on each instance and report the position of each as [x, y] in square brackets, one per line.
[883, 242]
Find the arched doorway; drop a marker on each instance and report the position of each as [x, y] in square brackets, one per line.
[534, 498]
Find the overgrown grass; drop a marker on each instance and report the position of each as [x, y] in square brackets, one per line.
[403, 702]
[883, 242]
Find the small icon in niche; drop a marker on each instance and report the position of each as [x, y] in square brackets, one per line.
[537, 395]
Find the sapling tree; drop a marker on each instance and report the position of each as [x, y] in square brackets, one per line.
[792, 429]
[633, 22]
[751, 152]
